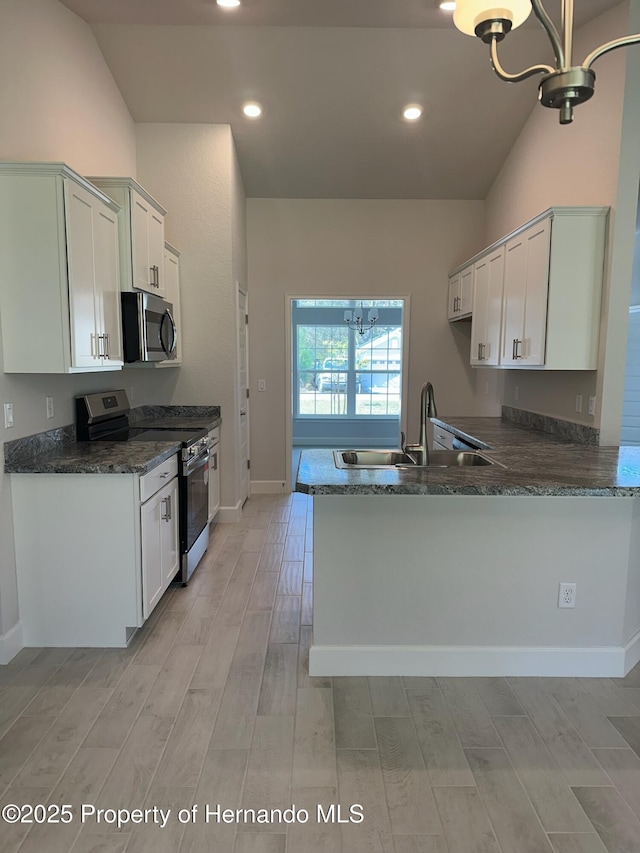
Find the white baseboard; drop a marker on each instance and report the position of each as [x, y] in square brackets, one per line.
[11, 643]
[269, 487]
[632, 652]
[600, 662]
[230, 514]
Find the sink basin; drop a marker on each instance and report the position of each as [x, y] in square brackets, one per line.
[398, 459]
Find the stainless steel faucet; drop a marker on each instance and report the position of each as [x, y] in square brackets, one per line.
[428, 410]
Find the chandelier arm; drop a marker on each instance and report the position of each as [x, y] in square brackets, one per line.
[541, 14]
[610, 45]
[515, 78]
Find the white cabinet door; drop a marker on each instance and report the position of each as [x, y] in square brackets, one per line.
[461, 294]
[159, 532]
[147, 245]
[526, 284]
[487, 310]
[86, 347]
[107, 285]
[454, 296]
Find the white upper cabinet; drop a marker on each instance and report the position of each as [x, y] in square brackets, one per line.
[141, 235]
[487, 309]
[461, 294]
[538, 292]
[172, 295]
[59, 272]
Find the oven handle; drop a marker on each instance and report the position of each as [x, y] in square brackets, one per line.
[196, 463]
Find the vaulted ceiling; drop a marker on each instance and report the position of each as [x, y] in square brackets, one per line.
[332, 77]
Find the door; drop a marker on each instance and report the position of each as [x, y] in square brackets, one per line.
[155, 227]
[487, 309]
[242, 343]
[107, 277]
[143, 277]
[85, 346]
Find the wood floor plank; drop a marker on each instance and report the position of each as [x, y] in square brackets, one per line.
[159, 642]
[100, 841]
[316, 836]
[611, 817]
[576, 843]
[279, 681]
[420, 844]
[268, 779]
[13, 834]
[291, 578]
[610, 699]
[221, 783]
[552, 798]
[271, 557]
[629, 728]
[238, 589]
[443, 755]
[465, 822]
[294, 548]
[469, 715]
[80, 783]
[48, 701]
[388, 697]
[213, 666]
[585, 716]
[109, 669]
[353, 714]
[46, 765]
[195, 629]
[285, 626]
[297, 525]
[13, 701]
[360, 781]
[514, 821]
[131, 775]
[254, 540]
[168, 691]
[411, 807]
[18, 743]
[631, 679]
[622, 766]
[263, 591]
[569, 751]
[307, 575]
[116, 720]
[189, 740]
[276, 532]
[498, 697]
[306, 615]
[260, 842]
[419, 682]
[314, 756]
[151, 837]
[234, 723]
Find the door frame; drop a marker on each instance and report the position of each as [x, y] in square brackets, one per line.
[288, 397]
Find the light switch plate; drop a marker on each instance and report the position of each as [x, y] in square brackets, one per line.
[8, 415]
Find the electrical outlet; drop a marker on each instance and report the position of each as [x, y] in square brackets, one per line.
[262, 384]
[578, 403]
[516, 392]
[567, 595]
[49, 407]
[8, 415]
[592, 405]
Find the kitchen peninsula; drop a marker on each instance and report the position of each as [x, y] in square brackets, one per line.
[456, 571]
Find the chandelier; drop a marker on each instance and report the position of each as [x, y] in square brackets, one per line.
[355, 319]
[562, 86]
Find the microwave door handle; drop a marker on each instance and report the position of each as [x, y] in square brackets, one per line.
[165, 348]
[174, 333]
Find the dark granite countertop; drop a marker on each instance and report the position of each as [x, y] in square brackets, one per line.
[536, 464]
[57, 451]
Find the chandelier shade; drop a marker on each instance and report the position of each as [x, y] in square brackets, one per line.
[469, 13]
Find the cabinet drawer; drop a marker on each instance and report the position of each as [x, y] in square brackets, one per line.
[158, 477]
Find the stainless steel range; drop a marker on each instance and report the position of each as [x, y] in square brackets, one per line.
[105, 417]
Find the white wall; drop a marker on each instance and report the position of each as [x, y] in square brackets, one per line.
[368, 248]
[58, 101]
[192, 169]
[586, 163]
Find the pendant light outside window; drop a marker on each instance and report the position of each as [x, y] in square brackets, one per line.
[563, 85]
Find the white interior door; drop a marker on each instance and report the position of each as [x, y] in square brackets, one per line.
[243, 399]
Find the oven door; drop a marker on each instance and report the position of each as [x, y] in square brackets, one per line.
[195, 503]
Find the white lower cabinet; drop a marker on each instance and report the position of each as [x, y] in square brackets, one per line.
[214, 473]
[94, 553]
[160, 552]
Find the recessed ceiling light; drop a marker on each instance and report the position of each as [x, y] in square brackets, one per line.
[252, 109]
[412, 112]
[448, 5]
[228, 4]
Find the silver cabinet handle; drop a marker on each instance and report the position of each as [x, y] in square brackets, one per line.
[165, 475]
[517, 344]
[480, 352]
[102, 350]
[513, 349]
[107, 347]
[155, 279]
[166, 515]
[214, 462]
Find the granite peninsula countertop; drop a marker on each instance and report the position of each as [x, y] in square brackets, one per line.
[57, 451]
[536, 464]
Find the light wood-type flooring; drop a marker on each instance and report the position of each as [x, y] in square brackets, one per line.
[212, 704]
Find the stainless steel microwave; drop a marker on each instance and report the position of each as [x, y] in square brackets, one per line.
[148, 329]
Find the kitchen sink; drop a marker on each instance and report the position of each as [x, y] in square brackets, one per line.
[398, 459]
